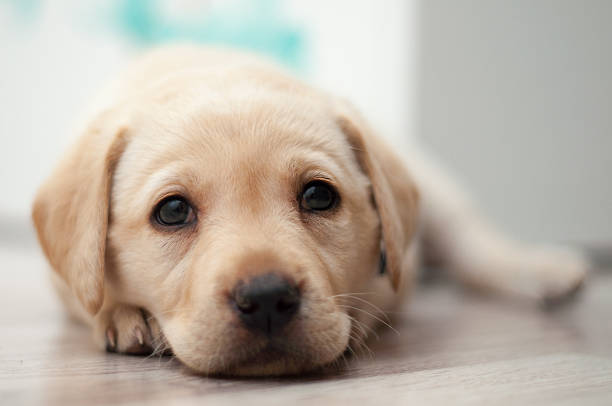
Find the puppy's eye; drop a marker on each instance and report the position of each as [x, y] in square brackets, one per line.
[318, 196]
[174, 211]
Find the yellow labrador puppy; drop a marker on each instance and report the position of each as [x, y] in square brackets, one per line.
[217, 208]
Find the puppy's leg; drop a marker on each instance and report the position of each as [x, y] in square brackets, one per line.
[459, 239]
[129, 330]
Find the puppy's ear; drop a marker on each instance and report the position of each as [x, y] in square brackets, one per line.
[394, 193]
[71, 209]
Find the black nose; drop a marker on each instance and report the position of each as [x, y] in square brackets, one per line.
[266, 302]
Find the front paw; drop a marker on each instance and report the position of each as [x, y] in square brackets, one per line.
[129, 330]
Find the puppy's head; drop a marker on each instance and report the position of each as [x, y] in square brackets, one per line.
[245, 221]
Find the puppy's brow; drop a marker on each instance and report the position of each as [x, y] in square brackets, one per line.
[165, 181]
[319, 175]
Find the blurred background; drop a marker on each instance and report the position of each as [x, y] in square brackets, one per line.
[514, 96]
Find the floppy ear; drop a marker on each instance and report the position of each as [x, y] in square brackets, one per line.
[394, 193]
[70, 211]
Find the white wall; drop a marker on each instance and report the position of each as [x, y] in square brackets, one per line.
[516, 96]
[365, 51]
[49, 71]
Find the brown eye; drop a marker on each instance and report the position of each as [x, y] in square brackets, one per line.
[174, 211]
[318, 196]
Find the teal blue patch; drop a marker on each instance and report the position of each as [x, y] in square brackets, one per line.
[251, 24]
[26, 9]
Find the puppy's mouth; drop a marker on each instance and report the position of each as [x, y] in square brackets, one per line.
[269, 354]
[272, 358]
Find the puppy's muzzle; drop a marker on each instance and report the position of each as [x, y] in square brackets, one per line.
[266, 303]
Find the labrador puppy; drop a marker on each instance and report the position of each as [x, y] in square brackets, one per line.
[219, 209]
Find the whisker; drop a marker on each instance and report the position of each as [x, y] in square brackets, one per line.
[371, 315]
[358, 339]
[348, 346]
[364, 326]
[378, 309]
[362, 332]
[355, 293]
[362, 345]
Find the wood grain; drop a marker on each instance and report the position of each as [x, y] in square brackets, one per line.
[452, 348]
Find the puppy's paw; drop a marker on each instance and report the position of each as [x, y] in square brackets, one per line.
[559, 274]
[128, 330]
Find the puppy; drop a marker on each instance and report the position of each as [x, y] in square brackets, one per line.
[219, 209]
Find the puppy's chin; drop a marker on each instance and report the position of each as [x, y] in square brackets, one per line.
[267, 360]
[271, 361]
[248, 354]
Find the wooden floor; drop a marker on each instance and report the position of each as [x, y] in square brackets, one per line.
[452, 348]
